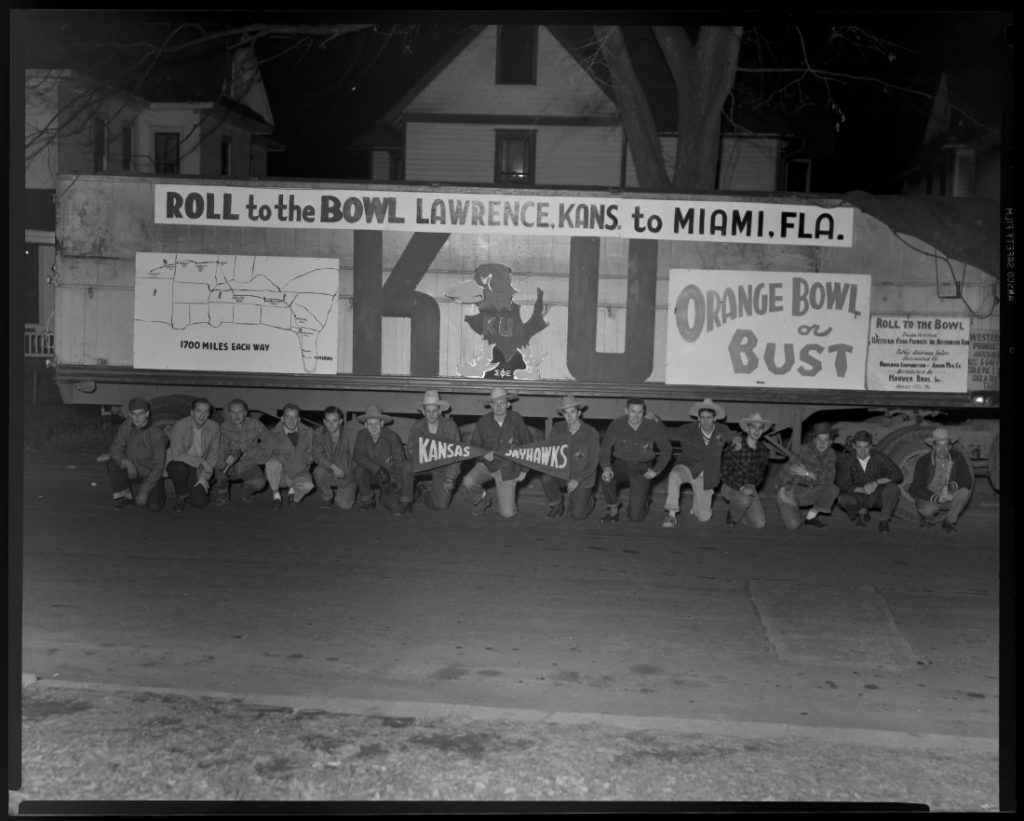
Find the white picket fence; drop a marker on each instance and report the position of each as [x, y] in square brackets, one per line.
[38, 341]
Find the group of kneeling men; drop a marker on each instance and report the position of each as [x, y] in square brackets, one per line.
[346, 466]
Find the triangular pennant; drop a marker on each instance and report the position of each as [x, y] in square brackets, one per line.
[550, 456]
[428, 451]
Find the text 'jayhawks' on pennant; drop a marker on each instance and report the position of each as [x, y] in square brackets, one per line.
[550, 456]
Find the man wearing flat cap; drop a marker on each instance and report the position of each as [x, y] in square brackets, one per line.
[810, 480]
[584, 444]
[381, 462]
[136, 463]
[497, 431]
[744, 465]
[868, 480]
[699, 463]
[942, 482]
[436, 494]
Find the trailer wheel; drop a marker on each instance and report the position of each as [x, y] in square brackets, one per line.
[993, 464]
[164, 411]
[905, 446]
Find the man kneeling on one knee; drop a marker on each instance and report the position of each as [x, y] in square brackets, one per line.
[810, 481]
[942, 482]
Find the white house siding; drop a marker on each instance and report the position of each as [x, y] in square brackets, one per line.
[746, 163]
[464, 153]
[466, 85]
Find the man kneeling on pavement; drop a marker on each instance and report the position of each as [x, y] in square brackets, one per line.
[811, 474]
[942, 482]
[136, 461]
[381, 462]
[868, 480]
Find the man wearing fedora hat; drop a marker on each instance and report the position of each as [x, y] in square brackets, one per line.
[136, 460]
[635, 449]
[584, 444]
[500, 429]
[868, 480]
[744, 465]
[942, 482]
[810, 480]
[699, 463]
[437, 495]
[381, 461]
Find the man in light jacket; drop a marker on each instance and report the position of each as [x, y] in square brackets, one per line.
[192, 455]
[286, 454]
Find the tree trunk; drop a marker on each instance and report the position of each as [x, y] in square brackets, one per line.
[704, 73]
[637, 119]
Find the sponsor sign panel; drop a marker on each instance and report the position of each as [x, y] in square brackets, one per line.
[767, 329]
[918, 353]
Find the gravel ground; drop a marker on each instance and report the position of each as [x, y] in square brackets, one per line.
[85, 745]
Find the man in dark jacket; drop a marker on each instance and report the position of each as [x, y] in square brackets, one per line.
[136, 460]
[497, 431]
[635, 449]
[334, 463]
[437, 494]
[584, 445]
[942, 482]
[380, 461]
[868, 480]
[699, 464]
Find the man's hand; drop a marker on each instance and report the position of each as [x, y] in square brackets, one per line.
[607, 474]
[749, 490]
[338, 472]
[489, 456]
[383, 477]
[521, 476]
[934, 498]
[870, 487]
[130, 469]
[572, 484]
[953, 486]
[448, 484]
[649, 474]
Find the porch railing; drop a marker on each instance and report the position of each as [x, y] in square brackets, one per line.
[38, 342]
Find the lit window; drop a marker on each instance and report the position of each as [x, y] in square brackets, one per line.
[514, 157]
[166, 153]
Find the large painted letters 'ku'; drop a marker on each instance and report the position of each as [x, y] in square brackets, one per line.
[373, 299]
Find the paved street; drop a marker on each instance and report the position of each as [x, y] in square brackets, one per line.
[839, 629]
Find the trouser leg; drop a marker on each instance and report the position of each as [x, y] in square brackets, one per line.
[581, 502]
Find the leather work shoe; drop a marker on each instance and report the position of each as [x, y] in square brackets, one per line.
[246, 494]
[609, 517]
[122, 502]
[555, 511]
[326, 504]
[277, 503]
[728, 518]
[368, 504]
[670, 520]
[883, 526]
[948, 526]
[923, 522]
[481, 504]
[862, 520]
[815, 522]
[220, 501]
[179, 506]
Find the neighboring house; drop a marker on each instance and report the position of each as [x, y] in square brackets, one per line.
[961, 152]
[208, 116]
[522, 105]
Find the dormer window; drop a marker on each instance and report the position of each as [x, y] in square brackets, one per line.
[517, 55]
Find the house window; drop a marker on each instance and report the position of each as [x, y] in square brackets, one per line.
[517, 55]
[127, 141]
[99, 144]
[225, 157]
[166, 153]
[798, 175]
[514, 157]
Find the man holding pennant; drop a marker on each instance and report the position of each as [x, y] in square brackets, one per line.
[497, 432]
[584, 443]
[433, 427]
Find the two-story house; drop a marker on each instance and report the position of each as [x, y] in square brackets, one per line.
[207, 115]
[526, 105]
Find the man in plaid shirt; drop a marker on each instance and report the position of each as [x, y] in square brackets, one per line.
[744, 465]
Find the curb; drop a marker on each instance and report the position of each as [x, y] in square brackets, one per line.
[891, 739]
